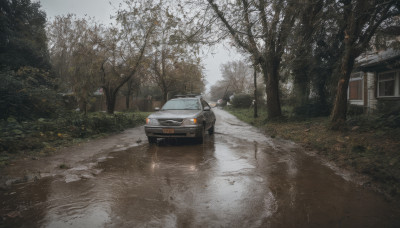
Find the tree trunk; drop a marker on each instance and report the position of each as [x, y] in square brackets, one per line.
[300, 87]
[255, 93]
[165, 96]
[110, 100]
[129, 92]
[271, 76]
[127, 101]
[339, 112]
[85, 107]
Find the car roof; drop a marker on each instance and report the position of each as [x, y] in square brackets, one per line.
[185, 98]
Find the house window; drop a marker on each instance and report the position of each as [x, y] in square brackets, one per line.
[356, 86]
[386, 84]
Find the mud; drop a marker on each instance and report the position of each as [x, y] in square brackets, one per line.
[238, 178]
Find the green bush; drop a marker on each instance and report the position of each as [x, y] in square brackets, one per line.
[30, 135]
[242, 101]
[312, 109]
[27, 94]
[355, 110]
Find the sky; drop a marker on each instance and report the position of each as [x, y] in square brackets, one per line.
[101, 10]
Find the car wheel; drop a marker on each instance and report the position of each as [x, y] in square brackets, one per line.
[152, 140]
[211, 130]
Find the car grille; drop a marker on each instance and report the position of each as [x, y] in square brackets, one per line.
[170, 122]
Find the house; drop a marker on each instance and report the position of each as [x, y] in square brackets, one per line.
[375, 82]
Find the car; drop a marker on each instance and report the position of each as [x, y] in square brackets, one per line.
[181, 117]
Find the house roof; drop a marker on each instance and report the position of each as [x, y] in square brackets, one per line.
[378, 61]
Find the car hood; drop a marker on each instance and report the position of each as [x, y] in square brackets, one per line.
[181, 114]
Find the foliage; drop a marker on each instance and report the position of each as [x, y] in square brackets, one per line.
[354, 110]
[312, 108]
[313, 51]
[27, 88]
[175, 68]
[22, 35]
[27, 93]
[87, 55]
[242, 100]
[44, 132]
[74, 56]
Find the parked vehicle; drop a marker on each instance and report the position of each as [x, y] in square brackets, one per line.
[181, 117]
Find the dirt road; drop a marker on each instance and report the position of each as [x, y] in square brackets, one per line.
[238, 178]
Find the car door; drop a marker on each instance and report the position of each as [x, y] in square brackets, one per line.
[208, 115]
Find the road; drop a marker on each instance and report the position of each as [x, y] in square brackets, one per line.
[238, 178]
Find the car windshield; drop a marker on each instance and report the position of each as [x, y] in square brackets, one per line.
[182, 104]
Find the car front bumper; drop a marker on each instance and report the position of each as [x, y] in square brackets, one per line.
[192, 131]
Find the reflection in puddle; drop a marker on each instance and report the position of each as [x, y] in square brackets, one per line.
[230, 162]
[95, 215]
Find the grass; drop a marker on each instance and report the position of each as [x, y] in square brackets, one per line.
[367, 145]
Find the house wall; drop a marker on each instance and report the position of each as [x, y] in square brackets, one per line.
[371, 87]
[389, 102]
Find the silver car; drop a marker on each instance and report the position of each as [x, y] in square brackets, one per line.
[182, 117]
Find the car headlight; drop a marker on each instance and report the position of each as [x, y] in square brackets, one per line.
[191, 121]
[150, 121]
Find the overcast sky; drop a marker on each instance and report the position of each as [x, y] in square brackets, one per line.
[101, 10]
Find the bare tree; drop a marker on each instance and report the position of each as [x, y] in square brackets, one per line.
[123, 48]
[261, 29]
[237, 73]
[175, 68]
[73, 55]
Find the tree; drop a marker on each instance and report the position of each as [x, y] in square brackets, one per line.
[302, 48]
[133, 85]
[27, 87]
[260, 28]
[255, 113]
[90, 56]
[122, 58]
[175, 68]
[75, 55]
[23, 39]
[360, 20]
[237, 73]
[190, 78]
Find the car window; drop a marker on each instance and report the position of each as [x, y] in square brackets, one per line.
[205, 104]
[182, 104]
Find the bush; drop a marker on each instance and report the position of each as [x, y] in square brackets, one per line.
[27, 94]
[355, 110]
[30, 135]
[242, 100]
[312, 109]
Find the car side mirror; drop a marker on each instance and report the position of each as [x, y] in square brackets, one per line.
[157, 108]
[207, 108]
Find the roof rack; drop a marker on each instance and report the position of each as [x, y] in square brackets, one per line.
[187, 95]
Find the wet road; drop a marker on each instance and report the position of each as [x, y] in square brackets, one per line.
[237, 178]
